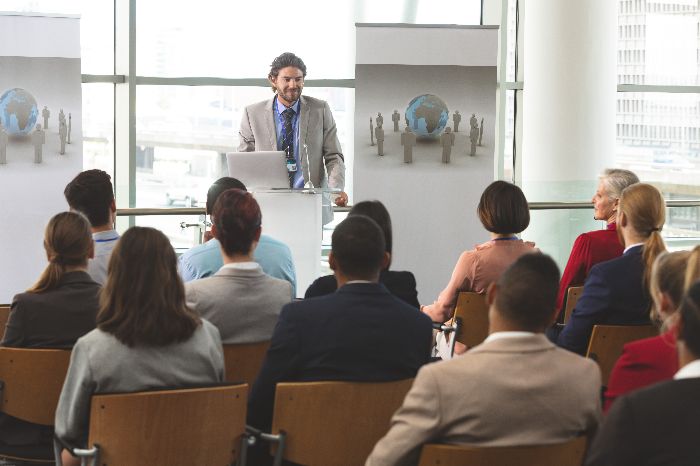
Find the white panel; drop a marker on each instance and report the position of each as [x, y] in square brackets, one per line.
[39, 36]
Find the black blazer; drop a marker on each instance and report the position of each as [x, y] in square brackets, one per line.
[55, 318]
[52, 319]
[400, 284]
[655, 426]
[360, 333]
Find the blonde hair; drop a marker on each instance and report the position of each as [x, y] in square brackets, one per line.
[68, 242]
[692, 271]
[645, 210]
[668, 277]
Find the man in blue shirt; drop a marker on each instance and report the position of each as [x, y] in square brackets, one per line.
[204, 260]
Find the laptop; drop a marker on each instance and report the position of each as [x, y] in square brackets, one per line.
[263, 169]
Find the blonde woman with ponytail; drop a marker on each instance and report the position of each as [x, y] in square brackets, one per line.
[616, 291]
[57, 310]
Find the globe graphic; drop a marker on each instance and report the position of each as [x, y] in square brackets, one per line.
[427, 115]
[18, 111]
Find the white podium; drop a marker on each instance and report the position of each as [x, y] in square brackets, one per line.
[294, 217]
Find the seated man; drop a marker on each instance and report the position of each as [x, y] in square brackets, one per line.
[240, 300]
[91, 194]
[204, 260]
[516, 388]
[359, 333]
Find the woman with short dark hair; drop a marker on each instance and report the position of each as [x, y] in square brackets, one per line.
[146, 336]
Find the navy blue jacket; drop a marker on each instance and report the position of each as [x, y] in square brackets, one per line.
[614, 294]
[359, 333]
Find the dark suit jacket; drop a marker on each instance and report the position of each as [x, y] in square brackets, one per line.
[400, 284]
[360, 333]
[52, 319]
[654, 426]
[614, 294]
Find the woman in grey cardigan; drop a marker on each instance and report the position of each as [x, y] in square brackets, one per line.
[146, 336]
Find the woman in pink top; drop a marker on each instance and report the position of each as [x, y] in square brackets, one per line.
[504, 212]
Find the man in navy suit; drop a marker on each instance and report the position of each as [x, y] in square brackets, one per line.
[359, 333]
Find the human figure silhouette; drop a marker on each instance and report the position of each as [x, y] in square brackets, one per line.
[62, 135]
[380, 119]
[481, 130]
[46, 113]
[3, 145]
[379, 134]
[396, 118]
[371, 132]
[447, 139]
[473, 136]
[408, 140]
[472, 121]
[38, 140]
[456, 118]
[70, 121]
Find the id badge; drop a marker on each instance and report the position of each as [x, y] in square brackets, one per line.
[291, 165]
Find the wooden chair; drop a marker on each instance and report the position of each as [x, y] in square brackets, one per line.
[4, 316]
[333, 423]
[570, 453]
[607, 341]
[572, 295]
[30, 385]
[244, 360]
[470, 321]
[198, 426]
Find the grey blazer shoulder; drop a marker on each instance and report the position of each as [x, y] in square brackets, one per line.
[324, 165]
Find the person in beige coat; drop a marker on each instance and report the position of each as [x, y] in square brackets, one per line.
[516, 388]
[240, 299]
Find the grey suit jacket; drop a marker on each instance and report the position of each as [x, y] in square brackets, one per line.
[511, 391]
[243, 304]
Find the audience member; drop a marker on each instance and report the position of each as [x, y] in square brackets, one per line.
[240, 300]
[615, 292]
[645, 362]
[146, 336]
[205, 260]
[359, 333]
[91, 193]
[599, 245]
[400, 284]
[54, 313]
[658, 425]
[516, 388]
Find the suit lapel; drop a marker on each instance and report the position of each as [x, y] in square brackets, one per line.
[303, 131]
[270, 124]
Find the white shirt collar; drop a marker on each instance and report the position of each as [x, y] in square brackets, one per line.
[632, 246]
[502, 335]
[241, 265]
[358, 281]
[689, 371]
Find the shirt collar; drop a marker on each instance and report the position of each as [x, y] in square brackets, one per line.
[502, 335]
[358, 281]
[689, 371]
[281, 108]
[632, 246]
[107, 235]
[241, 265]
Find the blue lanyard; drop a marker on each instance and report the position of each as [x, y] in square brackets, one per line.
[106, 240]
[508, 238]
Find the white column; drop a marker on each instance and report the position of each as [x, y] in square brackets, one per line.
[569, 94]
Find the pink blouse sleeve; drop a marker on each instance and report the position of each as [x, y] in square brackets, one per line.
[462, 280]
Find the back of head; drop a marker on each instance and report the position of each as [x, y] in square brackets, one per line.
[503, 208]
[377, 212]
[92, 194]
[668, 277]
[219, 186]
[527, 292]
[358, 247]
[237, 219]
[689, 311]
[143, 300]
[692, 272]
[616, 180]
[645, 210]
[68, 243]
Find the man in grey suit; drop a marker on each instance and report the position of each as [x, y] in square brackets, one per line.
[301, 126]
[240, 300]
[516, 388]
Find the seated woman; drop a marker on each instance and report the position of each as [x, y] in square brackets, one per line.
[616, 292]
[400, 284]
[599, 245]
[651, 360]
[54, 313]
[504, 212]
[146, 336]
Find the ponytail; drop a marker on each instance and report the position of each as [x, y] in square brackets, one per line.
[653, 246]
[49, 279]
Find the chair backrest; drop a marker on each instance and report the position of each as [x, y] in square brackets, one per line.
[607, 341]
[474, 312]
[243, 361]
[334, 423]
[198, 426]
[32, 382]
[4, 316]
[570, 453]
[572, 295]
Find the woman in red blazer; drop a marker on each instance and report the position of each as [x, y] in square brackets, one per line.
[651, 360]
